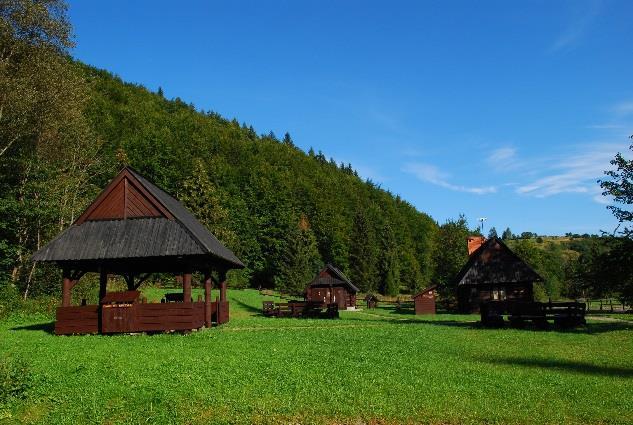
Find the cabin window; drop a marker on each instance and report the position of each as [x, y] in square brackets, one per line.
[499, 294]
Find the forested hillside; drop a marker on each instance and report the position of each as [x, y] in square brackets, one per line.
[282, 211]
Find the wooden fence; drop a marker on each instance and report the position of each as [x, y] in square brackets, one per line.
[608, 305]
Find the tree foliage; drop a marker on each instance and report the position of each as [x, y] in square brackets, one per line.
[620, 187]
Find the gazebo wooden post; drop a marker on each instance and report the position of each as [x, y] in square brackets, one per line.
[223, 286]
[66, 287]
[103, 283]
[186, 287]
[207, 299]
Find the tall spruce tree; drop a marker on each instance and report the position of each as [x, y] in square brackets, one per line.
[363, 253]
[301, 258]
[388, 266]
[451, 253]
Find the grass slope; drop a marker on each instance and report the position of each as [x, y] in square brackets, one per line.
[380, 366]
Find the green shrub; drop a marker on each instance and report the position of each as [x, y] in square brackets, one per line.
[15, 379]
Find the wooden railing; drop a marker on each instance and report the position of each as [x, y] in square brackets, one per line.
[138, 317]
[299, 309]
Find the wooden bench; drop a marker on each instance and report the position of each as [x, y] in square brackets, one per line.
[563, 314]
[299, 309]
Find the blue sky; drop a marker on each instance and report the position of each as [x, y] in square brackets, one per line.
[507, 110]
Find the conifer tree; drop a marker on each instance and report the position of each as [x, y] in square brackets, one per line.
[388, 267]
[203, 199]
[362, 253]
[300, 257]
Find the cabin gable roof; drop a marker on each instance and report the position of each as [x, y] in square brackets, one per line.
[332, 276]
[494, 263]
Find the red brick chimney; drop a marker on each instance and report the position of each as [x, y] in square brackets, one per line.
[475, 242]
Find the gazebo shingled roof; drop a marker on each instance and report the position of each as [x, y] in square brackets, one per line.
[134, 220]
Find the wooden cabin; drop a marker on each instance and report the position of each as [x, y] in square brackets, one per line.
[134, 229]
[425, 300]
[332, 286]
[493, 273]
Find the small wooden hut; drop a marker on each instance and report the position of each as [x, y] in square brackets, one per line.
[133, 229]
[332, 286]
[425, 300]
[493, 272]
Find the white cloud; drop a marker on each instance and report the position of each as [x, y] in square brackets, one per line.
[431, 174]
[578, 25]
[605, 126]
[503, 159]
[573, 173]
[623, 109]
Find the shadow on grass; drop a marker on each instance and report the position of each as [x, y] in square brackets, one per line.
[565, 366]
[248, 307]
[590, 328]
[46, 327]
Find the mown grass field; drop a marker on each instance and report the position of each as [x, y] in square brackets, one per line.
[383, 367]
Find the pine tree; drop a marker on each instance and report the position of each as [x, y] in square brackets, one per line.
[300, 257]
[492, 233]
[388, 267]
[287, 140]
[362, 253]
[203, 199]
[451, 253]
[507, 234]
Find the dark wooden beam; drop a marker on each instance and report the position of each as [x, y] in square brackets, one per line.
[207, 299]
[103, 283]
[186, 287]
[66, 287]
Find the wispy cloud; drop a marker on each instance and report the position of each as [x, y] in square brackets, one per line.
[583, 15]
[605, 126]
[623, 109]
[573, 173]
[503, 159]
[431, 174]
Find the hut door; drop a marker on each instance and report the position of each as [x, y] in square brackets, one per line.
[341, 298]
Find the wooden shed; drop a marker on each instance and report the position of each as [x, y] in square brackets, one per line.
[425, 300]
[332, 286]
[134, 229]
[493, 273]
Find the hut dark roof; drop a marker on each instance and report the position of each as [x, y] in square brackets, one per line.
[494, 263]
[424, 291]
[133, 218]
[332, 276]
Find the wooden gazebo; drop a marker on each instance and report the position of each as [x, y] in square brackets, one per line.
[493, 273]
[331, 286]
[134, 229]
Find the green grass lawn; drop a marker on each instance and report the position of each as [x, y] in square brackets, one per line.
[377, 366]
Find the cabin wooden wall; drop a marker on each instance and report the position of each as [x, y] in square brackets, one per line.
[470, 297]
